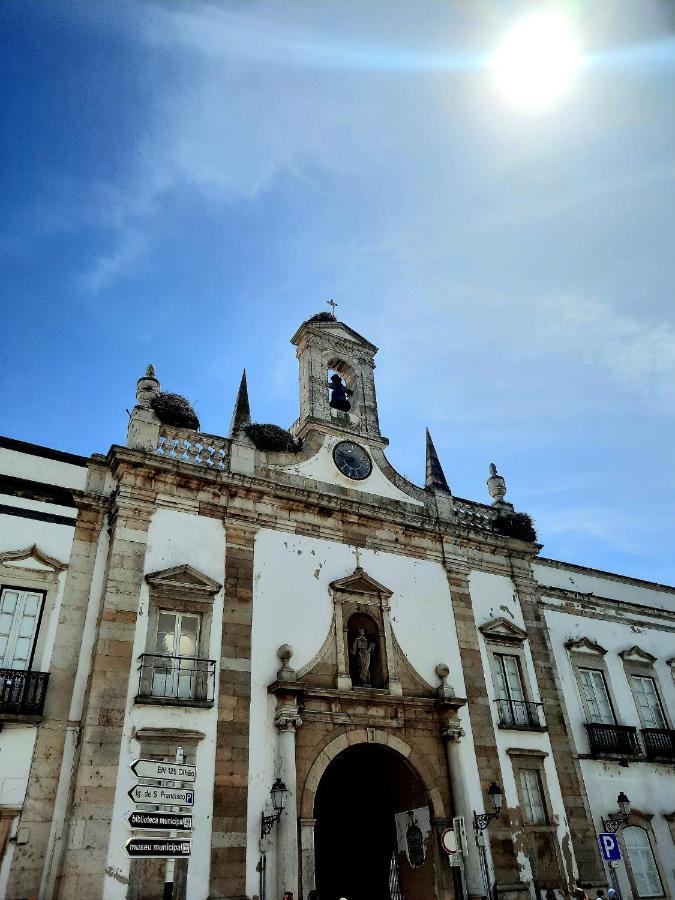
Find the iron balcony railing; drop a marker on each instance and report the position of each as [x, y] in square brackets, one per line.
[659, 743]
[520, 714]
[613, 739]
[22, 692]
[176, 679]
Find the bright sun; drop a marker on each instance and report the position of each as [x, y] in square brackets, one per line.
[537, 60]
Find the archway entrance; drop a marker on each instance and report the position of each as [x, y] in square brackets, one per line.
[365, 834]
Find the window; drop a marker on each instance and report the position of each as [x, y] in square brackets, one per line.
[509, 687]
[19, 619]
[642, 863]
[533, 804]
[175, 665]
[595, 694]
[648, 702]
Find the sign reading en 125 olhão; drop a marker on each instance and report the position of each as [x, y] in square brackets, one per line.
[158, 848]
[162, 796]
[163, 771]
[159, 821]
[609, 846]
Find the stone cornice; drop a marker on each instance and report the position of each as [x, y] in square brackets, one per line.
[602, 573]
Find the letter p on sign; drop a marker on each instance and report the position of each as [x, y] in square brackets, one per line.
[609, 846]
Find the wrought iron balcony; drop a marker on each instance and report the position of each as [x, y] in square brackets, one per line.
[22, 692]
[176, 679]
[612, 740]
[520, 714]
[659, 743]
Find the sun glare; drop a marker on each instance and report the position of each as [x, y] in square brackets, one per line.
[537, 61]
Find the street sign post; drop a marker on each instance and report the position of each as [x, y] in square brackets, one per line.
[163, 771]
[159, 821]
[158, 848]
[609, 846]
[449, 844]
[161, 796]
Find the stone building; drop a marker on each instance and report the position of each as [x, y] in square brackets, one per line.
[291, 611]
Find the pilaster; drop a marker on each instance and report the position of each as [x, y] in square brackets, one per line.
[228, 847]
[287, 721]
[30, 860]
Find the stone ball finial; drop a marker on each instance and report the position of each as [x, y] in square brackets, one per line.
[285, 652]
[496, 485]
[444, 690]
[442, 671]
[285, 673]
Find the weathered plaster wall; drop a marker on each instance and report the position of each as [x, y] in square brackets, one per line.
[629, 590]
[493, 597]
[293, 604]
[650, 786]
[174, 538]
[39, 468]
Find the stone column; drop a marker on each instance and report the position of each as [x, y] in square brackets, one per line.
[462, 807]
[287, 721]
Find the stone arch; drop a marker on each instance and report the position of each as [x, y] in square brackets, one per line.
[414, 758]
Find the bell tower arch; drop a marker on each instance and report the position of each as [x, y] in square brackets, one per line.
[337, 383]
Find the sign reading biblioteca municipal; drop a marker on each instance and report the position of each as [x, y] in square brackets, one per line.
[159, 821]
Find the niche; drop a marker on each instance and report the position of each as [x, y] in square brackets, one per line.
[364, 649]
[341, 380]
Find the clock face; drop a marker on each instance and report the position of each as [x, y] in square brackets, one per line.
[352, 460]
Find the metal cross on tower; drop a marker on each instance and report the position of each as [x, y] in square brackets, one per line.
[332, 304]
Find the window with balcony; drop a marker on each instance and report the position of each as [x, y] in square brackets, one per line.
[176, 669]
[505, 645]
[21, 691]
[648, 702]
[643, 867]
[595, 693]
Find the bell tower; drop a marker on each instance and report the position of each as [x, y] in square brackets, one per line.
[337, 384]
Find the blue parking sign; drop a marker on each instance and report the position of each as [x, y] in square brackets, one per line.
[609, 846]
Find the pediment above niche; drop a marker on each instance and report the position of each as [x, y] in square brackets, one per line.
[359, 582]
[503, 631]
[31, 558]
[585, 645]
[636, 655]
[185, 581]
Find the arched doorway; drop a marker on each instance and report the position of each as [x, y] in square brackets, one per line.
[362, 822]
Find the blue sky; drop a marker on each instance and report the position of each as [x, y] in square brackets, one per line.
[184, 183]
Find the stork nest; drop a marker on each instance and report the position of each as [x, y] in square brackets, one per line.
[274, 438]
[516, 525]
[323, 317]
[173, 409]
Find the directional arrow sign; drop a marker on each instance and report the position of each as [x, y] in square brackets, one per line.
[164, 771]
[159, 821]
[158, 848]
[162, 796]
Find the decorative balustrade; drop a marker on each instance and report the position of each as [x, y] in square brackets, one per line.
[659, 743]
[176, 679]
[193, 447]
[22, 692]
[520, 714]
[474, 514]
[613, 739]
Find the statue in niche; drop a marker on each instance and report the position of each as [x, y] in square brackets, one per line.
[339, 393]
[362, 650]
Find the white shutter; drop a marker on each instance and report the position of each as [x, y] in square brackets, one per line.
[19, 614]
[648, 702]
[642, 862]
[534, 804]
[596, 696]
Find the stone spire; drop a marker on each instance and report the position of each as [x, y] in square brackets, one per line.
[241, 417]
[435, 479]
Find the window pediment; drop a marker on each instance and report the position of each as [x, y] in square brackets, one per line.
[585, 645]
[359, 582]
[502, 631]
[31, 558]
[184, 580]
[636, 655]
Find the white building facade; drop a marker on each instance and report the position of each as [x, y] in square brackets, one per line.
[289, 610]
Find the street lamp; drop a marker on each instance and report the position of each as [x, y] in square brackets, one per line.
[482, 820]
[279, 792]
[612, 825]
